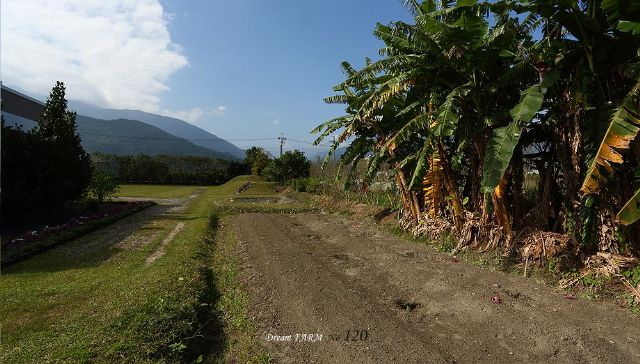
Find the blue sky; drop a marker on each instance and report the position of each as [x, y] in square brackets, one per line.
[242, 69]
[270, 63]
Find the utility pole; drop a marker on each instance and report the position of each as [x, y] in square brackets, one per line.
[281, 138]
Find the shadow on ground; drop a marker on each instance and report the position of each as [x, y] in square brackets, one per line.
[92, 249]
[210, 340]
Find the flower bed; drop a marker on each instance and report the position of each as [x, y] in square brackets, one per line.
[18, 245]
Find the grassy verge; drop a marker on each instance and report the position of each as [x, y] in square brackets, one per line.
[155, 191]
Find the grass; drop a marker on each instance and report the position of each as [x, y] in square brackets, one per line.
[260, 188]
[240, 343]
[95, 299]
[227, 201]
[88, 300]
[156, 191]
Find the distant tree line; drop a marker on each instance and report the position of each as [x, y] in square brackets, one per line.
[168, 169]
[45, 167]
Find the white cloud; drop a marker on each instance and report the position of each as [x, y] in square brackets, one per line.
[195, 114]
[191, 116]
[218, 111]
[115, 53]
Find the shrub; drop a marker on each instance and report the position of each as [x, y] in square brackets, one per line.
[309, 184]
[102, 185]
[290, 166]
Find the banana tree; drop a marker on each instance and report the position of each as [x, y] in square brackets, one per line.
[462, 96]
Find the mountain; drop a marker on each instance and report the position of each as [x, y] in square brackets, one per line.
[123, 137]
[173, 126]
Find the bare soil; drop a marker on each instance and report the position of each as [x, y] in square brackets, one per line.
[376, 298]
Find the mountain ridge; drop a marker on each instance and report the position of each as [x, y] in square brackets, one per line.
[174, 126]
[126, 137]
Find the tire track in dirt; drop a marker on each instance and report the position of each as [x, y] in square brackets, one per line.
[325, 274]
[163, 245]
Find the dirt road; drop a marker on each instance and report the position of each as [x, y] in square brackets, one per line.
[370, 297]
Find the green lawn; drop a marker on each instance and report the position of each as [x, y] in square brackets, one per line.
[97, 299]
[156, 191]
[261, 188]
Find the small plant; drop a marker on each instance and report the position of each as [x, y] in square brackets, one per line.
[594, 281]
[102, 186]
[446, 244]
[309, 184]
[178, 348]
[633, 275]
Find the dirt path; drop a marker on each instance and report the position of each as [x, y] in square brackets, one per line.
[327, 275]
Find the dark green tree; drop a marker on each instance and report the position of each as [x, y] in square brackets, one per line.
[291, 166]
[21, 153]
[257, 159]
[65, 167]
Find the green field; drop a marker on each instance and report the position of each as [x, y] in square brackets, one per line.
[156, 191]
[97, 298]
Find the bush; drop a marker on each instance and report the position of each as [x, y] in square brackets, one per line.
[310, 184]
[290, 166]
[102, 186]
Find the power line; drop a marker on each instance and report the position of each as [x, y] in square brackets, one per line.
[220, 140]
[309, 143]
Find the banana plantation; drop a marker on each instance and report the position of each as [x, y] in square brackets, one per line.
[510, 124]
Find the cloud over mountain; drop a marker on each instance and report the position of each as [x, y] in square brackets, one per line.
[110, 53]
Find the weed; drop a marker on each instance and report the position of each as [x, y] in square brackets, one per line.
[593, 280]
[633, 275]
[447, 244]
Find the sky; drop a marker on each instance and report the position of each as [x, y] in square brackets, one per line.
[245, 70]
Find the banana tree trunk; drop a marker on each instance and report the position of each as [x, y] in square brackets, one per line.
[409, 199]
[486, 216]
[568, 152]
[500, 208]
[477, 164]
[517, 185]
[452, 190]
